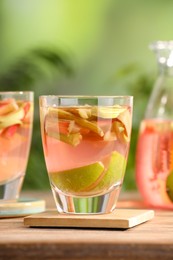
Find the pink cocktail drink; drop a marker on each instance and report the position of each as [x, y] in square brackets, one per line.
[16, 116]
[86, 149]
[154, 162]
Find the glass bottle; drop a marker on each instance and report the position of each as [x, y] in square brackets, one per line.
[154, 154]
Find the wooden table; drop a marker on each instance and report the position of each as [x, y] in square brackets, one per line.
[151, 240]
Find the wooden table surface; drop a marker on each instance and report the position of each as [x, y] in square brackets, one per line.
[151, 240]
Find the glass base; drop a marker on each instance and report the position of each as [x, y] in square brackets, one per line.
[9, 191]
[98, 204]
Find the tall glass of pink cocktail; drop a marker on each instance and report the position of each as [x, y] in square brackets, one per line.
[16, 120]
[86, 142]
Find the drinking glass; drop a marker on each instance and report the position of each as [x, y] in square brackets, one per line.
[86, 143]
[16, 120]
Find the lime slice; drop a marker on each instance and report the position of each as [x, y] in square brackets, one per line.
[77, 179]
[114, 173]
[169, 185]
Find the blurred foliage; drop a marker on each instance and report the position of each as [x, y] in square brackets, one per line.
[25, 74]
[28, 69]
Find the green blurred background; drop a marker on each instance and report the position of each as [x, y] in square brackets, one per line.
[94, 47]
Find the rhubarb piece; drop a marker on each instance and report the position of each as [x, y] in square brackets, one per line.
[110, 136]
[10, 131]
[90, 125]
[125, 119]
[26, 106]
[61, 114]
[8, 106]
[119, 130]
[84, 112]
[12, 118]
[107, 112]
[73, 128]
[121, 126]
[28, 110]
[58, 126]
[72, 139]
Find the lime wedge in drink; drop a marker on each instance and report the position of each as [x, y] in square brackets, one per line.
[169, 185]
[77, 179]
[92, 177]
[114, 173]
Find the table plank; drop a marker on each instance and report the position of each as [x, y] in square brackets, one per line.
[152, 240]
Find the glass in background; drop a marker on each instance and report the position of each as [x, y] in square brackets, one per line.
[16, 121]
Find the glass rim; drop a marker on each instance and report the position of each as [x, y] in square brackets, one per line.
[87, 96]
[17, 92]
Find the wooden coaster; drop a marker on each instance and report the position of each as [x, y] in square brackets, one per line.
[120, 218]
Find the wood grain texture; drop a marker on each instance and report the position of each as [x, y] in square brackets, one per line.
[120, 218]
[151, 240]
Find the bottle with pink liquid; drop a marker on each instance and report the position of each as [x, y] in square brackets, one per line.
[154, 154]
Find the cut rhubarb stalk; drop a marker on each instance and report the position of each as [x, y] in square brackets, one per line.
[10, 131]
[61, 114]
[107, 112]
[63, 127]
[119, 130]
[26, 108]
[7, 101]
[12, 118]
[90, 125]
[73, 128]
[52, 124]
[110, 136]
[7, 107]
[72, 139]
[82, 112]
[125, 119]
